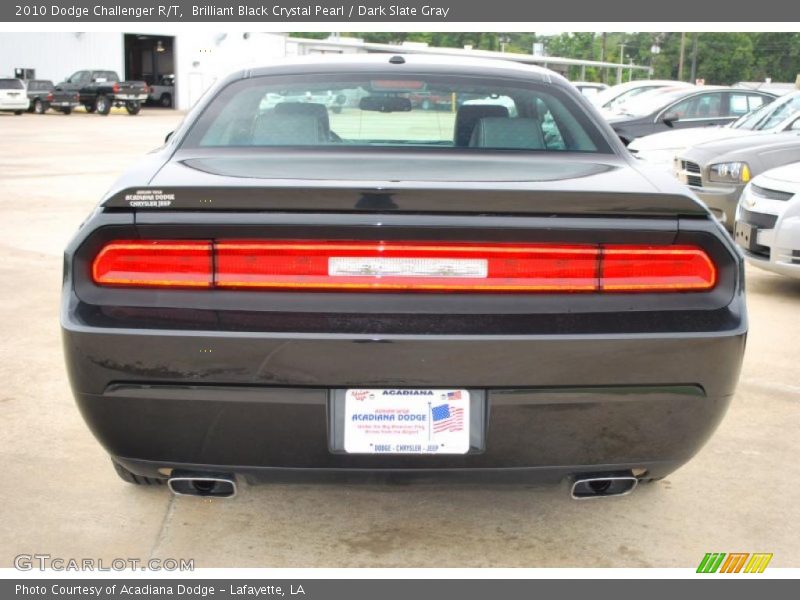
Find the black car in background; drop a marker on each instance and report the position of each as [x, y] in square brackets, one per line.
[679, 108]
[101, 90]
[38, 90]
[43, 95]
[496, 291]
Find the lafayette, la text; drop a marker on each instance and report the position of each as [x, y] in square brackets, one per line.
[155, 589]
[316, 10]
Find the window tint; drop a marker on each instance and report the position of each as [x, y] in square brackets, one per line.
[387, 111]
[79, 77]
[741, 104]
[11, 84]
[39, 85]
[104, 76]
[703, 106]
[772, 114]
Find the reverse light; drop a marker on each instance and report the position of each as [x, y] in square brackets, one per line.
[403, 266]
[406, 266]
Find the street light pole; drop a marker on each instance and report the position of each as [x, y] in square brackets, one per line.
[621, 61]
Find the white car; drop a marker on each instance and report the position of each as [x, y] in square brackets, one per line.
[497, 99]
[610, 101]
[768, 221]
[660, 149]
[590, 89]
[13, 96]
[163, 92]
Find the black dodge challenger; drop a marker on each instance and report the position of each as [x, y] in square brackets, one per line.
[494, 288]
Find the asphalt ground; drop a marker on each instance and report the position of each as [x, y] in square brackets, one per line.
[61, 496]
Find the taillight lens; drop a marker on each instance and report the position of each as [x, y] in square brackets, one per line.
[155, 263]
[49, 96]
[407, 266]
[115, 88]
[662, 269]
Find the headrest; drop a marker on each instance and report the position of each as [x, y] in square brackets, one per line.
[493, 132]
[314, 109]
[469, 114]
[272, 129]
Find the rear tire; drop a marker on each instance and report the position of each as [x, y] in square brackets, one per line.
[38, 107]
[102, 105]
[67, 110]
[89, 108]
[18, 112]
[166, 100]
[133, 108]
[129, 477]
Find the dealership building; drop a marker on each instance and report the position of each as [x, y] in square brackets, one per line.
[197, 59]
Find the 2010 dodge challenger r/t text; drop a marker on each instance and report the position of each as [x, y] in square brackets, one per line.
[491, 288]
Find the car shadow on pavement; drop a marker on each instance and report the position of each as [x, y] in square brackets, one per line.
[773, 285]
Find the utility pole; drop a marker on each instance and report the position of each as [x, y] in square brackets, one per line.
[621, 61]
[680, 60]
[693, 78]
[603, 58]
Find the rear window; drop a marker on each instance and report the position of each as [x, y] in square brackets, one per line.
[11, 84]
[391, 111]
[35, 86]
[103, 76]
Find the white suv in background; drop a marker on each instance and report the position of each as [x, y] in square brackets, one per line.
[13, 96]
[768, 220]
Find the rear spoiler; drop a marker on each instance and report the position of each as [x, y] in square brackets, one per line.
[405, 200]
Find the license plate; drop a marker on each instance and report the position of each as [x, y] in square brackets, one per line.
[746, 235]
[403, 421]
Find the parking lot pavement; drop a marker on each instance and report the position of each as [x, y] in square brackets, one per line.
[61, 496]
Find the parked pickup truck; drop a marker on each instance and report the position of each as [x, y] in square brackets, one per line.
[43, 96]
[100, 90]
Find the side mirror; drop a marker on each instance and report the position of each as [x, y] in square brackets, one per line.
[168, 136]
[670, 118]
[795, 126]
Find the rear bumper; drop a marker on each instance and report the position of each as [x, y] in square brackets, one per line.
[63, 103]
[130, 97]
[15, 104]
[255, 402]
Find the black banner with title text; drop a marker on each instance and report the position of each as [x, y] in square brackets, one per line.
[403, 11]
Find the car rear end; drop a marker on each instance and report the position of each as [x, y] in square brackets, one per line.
[130, 91]
[349, 311]
[13, 95]
[63, 100]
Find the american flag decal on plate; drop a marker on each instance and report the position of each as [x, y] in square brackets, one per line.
[447, 418]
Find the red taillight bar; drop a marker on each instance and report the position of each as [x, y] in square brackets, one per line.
[155, 263]
[405, 266]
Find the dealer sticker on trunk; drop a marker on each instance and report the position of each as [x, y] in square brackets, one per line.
[406, 421]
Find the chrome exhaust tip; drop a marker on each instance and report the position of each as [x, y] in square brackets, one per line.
[205, 485]
[601, 486]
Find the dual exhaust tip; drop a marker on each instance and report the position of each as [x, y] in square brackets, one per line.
[208, 485]
[212, 485]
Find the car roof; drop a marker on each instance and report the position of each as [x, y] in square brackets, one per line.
[426, 63]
